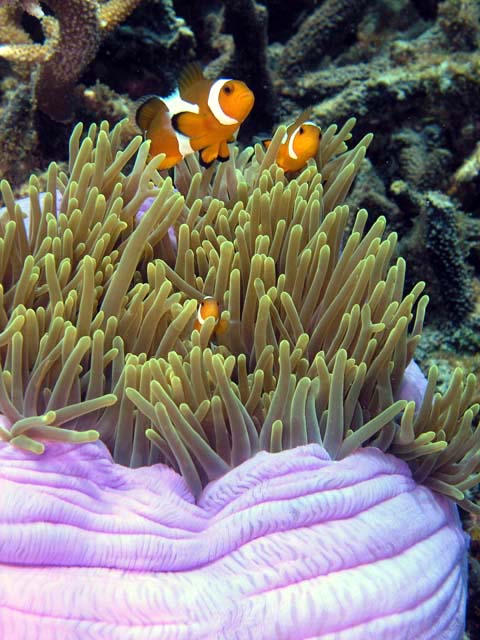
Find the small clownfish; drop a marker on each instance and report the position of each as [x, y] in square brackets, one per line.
[201, 115]
[299, 144]
[208, 308]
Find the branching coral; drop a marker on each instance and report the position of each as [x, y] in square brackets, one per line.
[320, 34]
[72, 37]
[17, 159]
[97, 316]
[430, 223]
[460, 20]
[11, 30]
[443, 221]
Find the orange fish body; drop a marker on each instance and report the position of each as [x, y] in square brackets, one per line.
[202, 115]
[208, 308]
[299, 144]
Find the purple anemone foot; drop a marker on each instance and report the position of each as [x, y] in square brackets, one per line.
[286, 546]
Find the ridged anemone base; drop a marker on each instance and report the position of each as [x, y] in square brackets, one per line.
[285, 546]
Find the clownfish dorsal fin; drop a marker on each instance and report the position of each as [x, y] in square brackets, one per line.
[191, 74]
[303, 117]
[146, 110]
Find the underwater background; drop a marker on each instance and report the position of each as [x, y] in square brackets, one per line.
[408, 71]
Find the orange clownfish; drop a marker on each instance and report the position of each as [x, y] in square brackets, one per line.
[201, 115]
[208, 308]
[299, 144]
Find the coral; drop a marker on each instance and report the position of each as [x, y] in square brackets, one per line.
[426, 8]
[460, 20]
[17, 160]
[246, 20]
[467, 338]
[422, 158]
[445, 254]
[320, 34]
[384, 94]
[111, 13]
[437, 250]
[466, 180]
[107, 103]
[207, 22]
[12, 32]
[436, 235]
[369, 192]
[73, 36]
[145, 54]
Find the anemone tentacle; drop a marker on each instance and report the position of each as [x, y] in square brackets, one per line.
[98, 303]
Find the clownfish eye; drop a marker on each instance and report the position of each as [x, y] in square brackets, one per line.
[301, 130]
[227, 88]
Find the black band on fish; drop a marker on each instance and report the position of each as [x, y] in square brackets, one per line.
[174, 121]
[205, 164]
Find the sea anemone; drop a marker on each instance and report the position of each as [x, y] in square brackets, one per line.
[299, 474]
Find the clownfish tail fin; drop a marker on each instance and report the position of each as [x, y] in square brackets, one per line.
[266, 143]
[191, 74]
[146, 109]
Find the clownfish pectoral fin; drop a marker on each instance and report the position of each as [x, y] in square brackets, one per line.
[147, 109]
[191, 74]
[209, 154]
[192, 125]
[223, 151]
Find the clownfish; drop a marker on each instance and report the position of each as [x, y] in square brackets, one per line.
[208, 308]
[201, 115]
[299, 144]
